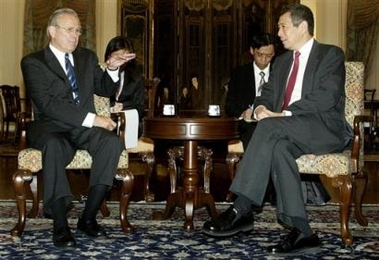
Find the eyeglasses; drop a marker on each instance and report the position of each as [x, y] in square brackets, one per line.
[261, 55]
[70, 30]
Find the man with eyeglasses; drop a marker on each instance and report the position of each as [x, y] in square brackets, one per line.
[246, 83]
[61, 81]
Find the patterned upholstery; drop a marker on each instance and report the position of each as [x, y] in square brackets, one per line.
[30, 162]
[345, 169]
[339, 163]
[31, 159]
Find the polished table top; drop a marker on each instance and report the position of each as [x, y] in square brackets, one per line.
[191, 131]
[199, 128]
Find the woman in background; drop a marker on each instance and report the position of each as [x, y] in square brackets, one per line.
[131, 92]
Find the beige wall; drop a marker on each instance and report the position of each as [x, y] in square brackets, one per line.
[106, 20]
[11, 31]
[329, 15]
[11, 35]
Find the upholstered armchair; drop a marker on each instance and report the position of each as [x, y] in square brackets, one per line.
[30, 164]
[346, 168]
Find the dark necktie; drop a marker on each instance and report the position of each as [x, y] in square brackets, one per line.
[262, 81]
[291, 81]
[72, 79]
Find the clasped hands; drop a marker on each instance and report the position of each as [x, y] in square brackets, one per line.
[118, 59]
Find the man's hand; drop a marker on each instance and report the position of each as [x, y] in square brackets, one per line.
[104, 122]
[262, 112]
[247, 114]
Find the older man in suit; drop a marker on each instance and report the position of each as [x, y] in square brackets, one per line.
[303, 98]
[61, 81]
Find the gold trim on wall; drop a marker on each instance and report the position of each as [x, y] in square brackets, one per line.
[143, 41]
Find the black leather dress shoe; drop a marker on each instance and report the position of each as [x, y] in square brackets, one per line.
[293, 244]
[62, 237]
[91, 228]
[229, 223]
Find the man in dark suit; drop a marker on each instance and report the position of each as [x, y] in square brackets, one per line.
[246, 83]
[61, 81]
[316, 73]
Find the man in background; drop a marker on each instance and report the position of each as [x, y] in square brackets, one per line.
[246, 83]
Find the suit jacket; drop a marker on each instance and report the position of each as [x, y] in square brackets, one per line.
[241, 90]
[323, 95]
[50, 91]
[241, 93]
[132, 95]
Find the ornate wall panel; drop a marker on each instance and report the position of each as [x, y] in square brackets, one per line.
[136, 22]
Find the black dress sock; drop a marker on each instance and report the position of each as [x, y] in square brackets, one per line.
[95, 197]
[59, 213]
[243, 205]
[303, 226]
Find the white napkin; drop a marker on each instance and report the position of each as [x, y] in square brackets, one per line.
[131, 128]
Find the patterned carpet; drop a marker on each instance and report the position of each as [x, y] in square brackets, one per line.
[167, 240]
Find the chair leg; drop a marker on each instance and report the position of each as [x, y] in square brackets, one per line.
[149, 159]
[104, 209]
[231, 161]
[127, 179]
[344, 184]
[35, 195]
[19, 179]
[360, 187]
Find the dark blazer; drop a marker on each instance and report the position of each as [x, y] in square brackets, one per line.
[50, 90]
[323, 98]
[132, 95]
[241, 94]
[241, 90]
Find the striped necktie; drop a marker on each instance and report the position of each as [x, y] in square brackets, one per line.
[72, 79]
[261, 82]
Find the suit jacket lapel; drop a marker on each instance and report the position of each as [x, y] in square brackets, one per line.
[309, 72]
[54, 65]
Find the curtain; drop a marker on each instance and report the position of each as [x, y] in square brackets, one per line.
[362, 31]
[37, 13]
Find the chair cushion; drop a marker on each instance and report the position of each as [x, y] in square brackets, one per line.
[331, 165]
[31, 159]
[144, 145]
[235, 146]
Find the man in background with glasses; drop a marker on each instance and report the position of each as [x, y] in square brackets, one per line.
[61, 81]
[246, 83]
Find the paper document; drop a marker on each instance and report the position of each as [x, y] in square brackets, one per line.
[131, 128]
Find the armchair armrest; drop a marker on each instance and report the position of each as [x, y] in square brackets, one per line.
[357, 139]
[23, 118]
[119, 118]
